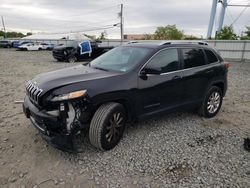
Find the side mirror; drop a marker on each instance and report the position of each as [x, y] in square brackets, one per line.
[144, 72]
[154, 70]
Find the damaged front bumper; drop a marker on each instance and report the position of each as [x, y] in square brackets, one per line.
[53, 126]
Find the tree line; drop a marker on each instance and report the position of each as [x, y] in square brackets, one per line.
[13, 34]
[171, 32]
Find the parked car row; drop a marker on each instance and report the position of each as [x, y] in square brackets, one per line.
[26, 45]
[35, 46]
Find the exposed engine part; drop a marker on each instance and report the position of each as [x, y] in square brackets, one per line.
[71, 117]
[77, 116]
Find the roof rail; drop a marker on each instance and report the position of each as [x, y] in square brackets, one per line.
[161, 43]
[186, 42]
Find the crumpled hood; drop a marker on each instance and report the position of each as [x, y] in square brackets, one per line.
[66, 76]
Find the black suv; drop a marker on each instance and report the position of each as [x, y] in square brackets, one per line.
[126, 84]
[71, 52]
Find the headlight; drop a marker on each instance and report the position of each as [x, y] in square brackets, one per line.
[72, 95]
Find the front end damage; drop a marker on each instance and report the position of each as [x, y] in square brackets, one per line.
[59, 124]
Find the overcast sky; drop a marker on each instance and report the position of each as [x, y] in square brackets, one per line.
[140, 16]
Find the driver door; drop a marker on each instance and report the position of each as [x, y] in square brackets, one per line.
[160, 83]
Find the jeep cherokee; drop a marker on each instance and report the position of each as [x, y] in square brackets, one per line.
[128, 83]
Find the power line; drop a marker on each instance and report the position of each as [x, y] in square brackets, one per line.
[95, 11]
[85, 30]
[240, 14]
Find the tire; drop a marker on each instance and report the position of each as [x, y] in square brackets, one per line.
[60, 60]
[39, 49]
[215, 98]
[107, 126]
[72, 59]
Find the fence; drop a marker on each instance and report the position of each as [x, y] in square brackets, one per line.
[235, 50]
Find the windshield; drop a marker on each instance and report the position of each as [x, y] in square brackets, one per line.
[121, 58]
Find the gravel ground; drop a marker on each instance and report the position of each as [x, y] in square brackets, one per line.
[176, 150]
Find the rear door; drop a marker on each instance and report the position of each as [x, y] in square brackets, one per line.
[195, 74]
[161, 90]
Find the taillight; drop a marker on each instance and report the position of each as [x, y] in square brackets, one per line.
[227, 65]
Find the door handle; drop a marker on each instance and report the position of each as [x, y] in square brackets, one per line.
[176, 78]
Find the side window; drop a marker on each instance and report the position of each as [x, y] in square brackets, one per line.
[193, 58]
[211, 57]
[165, 61]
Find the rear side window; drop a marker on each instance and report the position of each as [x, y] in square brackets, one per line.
[193, 57]
[211, 57]
[164, 61]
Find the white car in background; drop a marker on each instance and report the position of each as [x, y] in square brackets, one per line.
[47, 46]
[31, 47]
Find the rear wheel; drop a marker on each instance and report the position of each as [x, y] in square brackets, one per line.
[107, 126]
[211, 103]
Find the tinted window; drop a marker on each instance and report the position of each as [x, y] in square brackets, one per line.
[193, 58]
[164, 61]
[210, 56]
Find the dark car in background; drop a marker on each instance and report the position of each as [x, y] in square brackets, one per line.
[5, 44]
[126, 84]
[71, 52]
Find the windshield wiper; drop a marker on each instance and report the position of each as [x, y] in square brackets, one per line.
[99, 68]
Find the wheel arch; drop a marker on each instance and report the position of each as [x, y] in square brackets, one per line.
[220, 85]
[126, 103]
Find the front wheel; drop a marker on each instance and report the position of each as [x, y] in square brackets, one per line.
[211, 103]
[72, 59]
[107, 126]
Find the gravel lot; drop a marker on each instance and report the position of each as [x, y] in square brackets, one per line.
[176, 150]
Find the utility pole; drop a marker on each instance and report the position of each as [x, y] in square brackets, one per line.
[4, 27]
[211, 20]
[121, 22]
[222, 14]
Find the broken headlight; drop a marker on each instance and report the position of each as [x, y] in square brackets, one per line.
[68, 96]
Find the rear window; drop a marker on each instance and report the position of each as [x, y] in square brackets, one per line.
[211, 57]
[193, 57]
